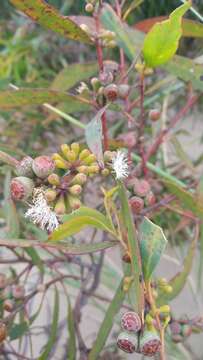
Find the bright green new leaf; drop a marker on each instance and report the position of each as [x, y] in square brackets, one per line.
[161, 43]
[47, 16]
[152, 245]
[78, 220]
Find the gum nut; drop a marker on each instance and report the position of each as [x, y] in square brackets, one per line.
[3, 332]
[127, 342]
[150, 343]
[131, 322]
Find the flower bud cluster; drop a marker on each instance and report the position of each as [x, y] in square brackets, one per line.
[141, 194]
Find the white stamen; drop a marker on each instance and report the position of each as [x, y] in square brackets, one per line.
[40, 213]
[82, 87]
[120, 165]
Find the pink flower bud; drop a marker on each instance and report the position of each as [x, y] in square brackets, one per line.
[137, 204]
[24, 168]
[150, 199]
[18, 291]
[141, 187]
[21, 188]
[43, 166]
[154, 114]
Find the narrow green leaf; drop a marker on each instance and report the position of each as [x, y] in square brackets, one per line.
[152, 245]
[71, 330]
[178, 281]
[107, 323]
[11, 99]
[36, 260]
[134, 249]
[161, 43]
[69, 248]
[188, 200]
[78, 220]
[130, 40]
[48, 17]
[93, 135]
[186, 69]
[53, 331]
[181, 154]
[73, 73]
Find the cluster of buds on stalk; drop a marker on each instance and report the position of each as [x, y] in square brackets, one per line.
[54, 184]
[141, 194]
[135, 339]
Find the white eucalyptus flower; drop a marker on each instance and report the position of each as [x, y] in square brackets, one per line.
[120, 165]
[40, 213]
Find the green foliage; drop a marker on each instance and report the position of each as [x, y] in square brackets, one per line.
[152, 245]
[157, 50]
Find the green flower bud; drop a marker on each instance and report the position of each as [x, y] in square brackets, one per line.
[74, 202]
[50, 195]
[79, 179]
[54, 179]
[75, 190]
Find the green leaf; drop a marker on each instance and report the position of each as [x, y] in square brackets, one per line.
[18, 330]
[11, 99]
[134, 249]
[181, 154]
[188, 200]
[48, 17]
[178, 281]
[187, 70]
[73, 73]
[36, 260]
[53, 330]
[67, 247]
[93, 135]
[107, 323]
[78, 220]
[152, 245]
[72, 338]
[130, 40]
[162, 41]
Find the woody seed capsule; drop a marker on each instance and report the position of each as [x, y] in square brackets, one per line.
[127, 342]
[131, 322]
